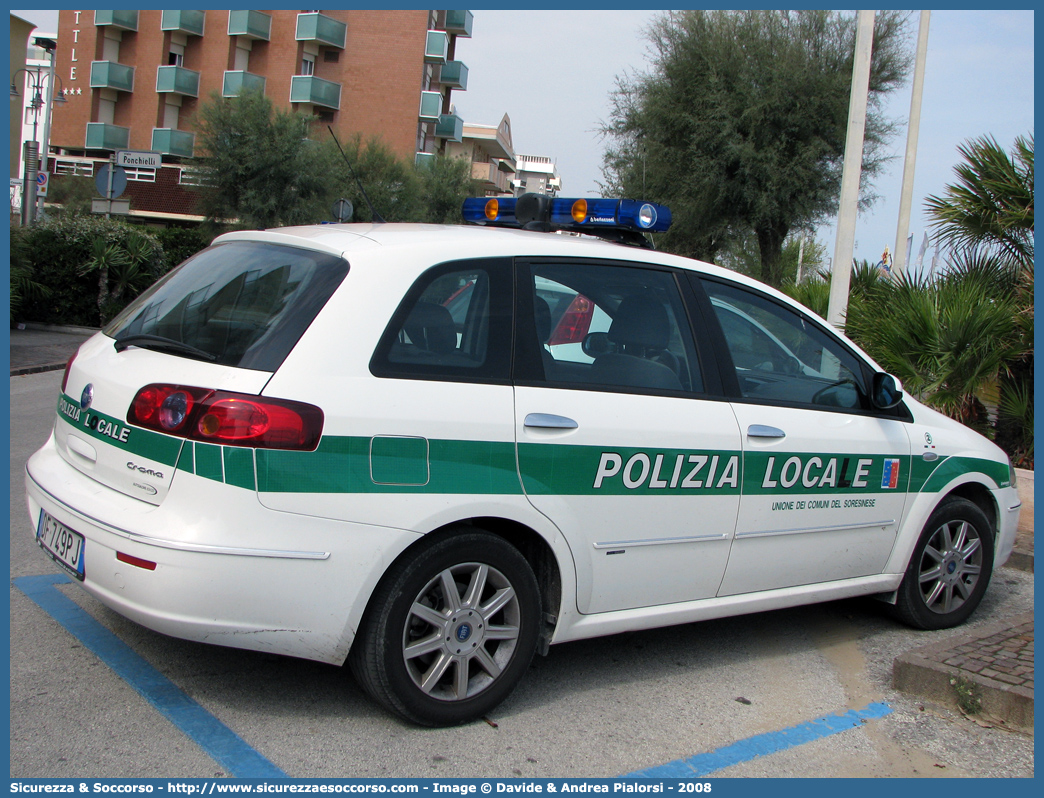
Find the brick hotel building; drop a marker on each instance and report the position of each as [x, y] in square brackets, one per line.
[135, 79]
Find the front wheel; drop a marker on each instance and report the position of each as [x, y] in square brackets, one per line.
[450, 630]
[950, 567]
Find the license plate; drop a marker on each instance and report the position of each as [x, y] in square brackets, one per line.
[63, 545]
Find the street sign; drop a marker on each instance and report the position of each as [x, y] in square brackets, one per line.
[43, 179]
[342, 210]
[120, 206]
[119, 181]
[139, 158]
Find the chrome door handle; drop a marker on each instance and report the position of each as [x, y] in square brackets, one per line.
[549, 421]
[763, 431]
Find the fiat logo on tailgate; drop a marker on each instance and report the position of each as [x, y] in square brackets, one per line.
[87, 396]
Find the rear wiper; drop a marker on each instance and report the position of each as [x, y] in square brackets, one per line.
[159, 342]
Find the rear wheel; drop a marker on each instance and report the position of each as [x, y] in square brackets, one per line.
[450, 630]
[950, 567]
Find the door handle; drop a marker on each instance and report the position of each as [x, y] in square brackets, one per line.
[764, 431]
[549, 421]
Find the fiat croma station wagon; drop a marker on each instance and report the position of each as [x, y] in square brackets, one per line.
[432, 451]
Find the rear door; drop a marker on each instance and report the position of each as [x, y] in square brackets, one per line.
[619, 441]
[825, 475]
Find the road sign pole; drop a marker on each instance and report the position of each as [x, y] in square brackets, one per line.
[108, 192]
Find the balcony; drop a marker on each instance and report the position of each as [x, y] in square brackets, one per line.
[459, 23]
[237, 82]
[101, 136]
[455, 75]
[425, 159]
[490, 176]
[316, 27]
[450, 126]
[124, 18]
[190, 22]
[110, 75]
[310, 89]
[430, 106]
[177, 80]
[251, 24]
[436, 47]
[173, 142]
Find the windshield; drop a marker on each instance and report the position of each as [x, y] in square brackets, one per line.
[242, 304]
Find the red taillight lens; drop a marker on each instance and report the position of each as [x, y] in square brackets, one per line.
[227, 418]
[68, 365]
[575, 322]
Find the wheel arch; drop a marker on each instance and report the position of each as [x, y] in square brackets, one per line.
[971, 486]
[537, 551]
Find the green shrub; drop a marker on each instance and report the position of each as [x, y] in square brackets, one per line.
[181, 243]
[59, 252]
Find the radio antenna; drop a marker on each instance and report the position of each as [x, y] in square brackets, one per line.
[373, 211]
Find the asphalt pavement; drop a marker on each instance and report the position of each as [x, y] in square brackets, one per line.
[988, 673]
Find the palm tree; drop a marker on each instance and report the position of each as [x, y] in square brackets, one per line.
[992, 203]
[988, 216]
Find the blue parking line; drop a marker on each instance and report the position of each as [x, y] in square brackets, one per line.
[219, 742]
[763, 744]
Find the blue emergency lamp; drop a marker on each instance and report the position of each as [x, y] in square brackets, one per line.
[618, 219]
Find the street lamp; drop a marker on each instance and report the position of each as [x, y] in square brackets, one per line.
[31, 149]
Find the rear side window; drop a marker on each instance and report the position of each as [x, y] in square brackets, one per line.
[242, 304]
[454, 324]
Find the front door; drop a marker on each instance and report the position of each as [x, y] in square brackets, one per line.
[825, 476]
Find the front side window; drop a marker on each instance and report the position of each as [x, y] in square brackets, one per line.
[242, 304]
[782, 356]
[612, 327]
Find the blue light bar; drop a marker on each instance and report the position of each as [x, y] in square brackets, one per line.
[496, 211]
[578, 215]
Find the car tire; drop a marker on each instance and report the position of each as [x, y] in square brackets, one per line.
[950, 567]
[450, 630]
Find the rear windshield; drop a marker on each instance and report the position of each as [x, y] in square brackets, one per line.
[243, 304]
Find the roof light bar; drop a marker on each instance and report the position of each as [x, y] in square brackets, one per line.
[537, 211]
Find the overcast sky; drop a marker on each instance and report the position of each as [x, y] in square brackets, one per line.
[552, 73]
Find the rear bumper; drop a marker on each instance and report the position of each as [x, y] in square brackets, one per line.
[228, 570]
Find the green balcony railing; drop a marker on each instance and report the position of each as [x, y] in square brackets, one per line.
[310, 89]
[430, 106]
[126, 18]
[102, 136]
[252, 24]
[177, 80]
[455, 75]
[173, 142]
[460, 22]
[426, 159]
[110, 75]
[436, 47]
[190, 22]
[450, 127]
[237, 81]
[316, 27]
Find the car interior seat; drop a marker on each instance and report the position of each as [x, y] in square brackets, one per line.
[640, 334]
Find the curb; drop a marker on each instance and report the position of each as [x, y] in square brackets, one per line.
[925, 671]
[21, 372]
[60, 328]
[1020, 560]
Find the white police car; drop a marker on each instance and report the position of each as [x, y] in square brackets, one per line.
[356, 442]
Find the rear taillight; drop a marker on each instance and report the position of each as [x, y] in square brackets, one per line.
[68, 365]
[575, 322]
[222, 417]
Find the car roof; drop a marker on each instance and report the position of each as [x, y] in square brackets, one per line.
[455, 242]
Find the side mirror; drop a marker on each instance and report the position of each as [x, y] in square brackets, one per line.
[885, 393]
